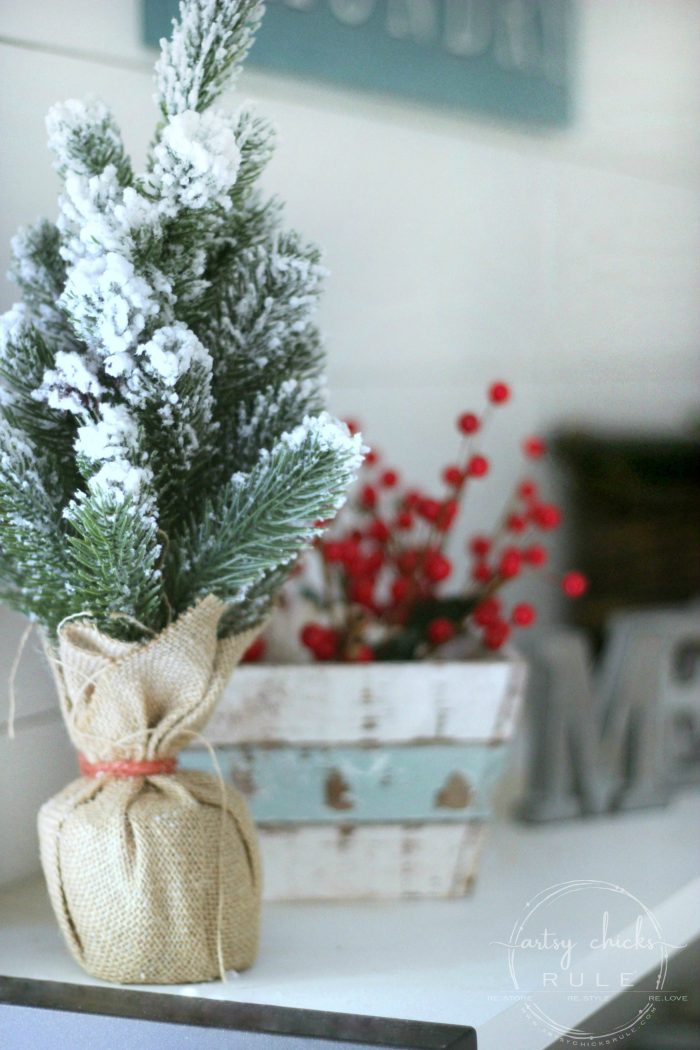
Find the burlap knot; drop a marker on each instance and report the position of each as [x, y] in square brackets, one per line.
[152, 880]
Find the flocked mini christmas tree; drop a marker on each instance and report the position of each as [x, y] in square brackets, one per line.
[164, 457]
[162, 434]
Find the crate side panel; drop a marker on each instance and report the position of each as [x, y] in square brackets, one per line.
[368, 861]
[374, 703]
[425, 782]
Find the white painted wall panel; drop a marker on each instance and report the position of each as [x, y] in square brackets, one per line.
[33, 767]
[637, 84]
[459, 249]
[108, 29]
[625, 269]
[33, 686]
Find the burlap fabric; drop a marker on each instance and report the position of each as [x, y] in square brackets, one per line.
[151, 879]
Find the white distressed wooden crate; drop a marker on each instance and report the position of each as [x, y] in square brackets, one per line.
[367, 780]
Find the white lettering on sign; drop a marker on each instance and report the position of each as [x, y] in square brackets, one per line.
[523, 34]
[413, 20]
[468, 27]
[518, 42]
[352, 12]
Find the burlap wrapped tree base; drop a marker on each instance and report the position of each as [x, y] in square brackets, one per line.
[151, 878]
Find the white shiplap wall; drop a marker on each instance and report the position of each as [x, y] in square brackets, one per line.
[39, 761]
[460, 250]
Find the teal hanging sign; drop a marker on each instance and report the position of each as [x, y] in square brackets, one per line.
[505, 58]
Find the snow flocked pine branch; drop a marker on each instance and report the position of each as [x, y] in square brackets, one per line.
[162, 433]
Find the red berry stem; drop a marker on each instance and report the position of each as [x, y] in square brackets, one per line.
[395, 545]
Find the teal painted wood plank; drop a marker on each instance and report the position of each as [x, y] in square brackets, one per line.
[439, 782]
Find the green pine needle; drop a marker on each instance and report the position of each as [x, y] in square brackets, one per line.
[162, 434]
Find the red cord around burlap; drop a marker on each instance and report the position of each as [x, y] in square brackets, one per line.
[126, 767]
[154, 878]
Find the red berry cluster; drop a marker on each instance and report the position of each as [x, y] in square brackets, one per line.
[384, 574]
[255, 651]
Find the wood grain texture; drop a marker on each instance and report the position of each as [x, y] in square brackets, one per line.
[369, 861]
[372, 703]
[428, 782]
[367, 781]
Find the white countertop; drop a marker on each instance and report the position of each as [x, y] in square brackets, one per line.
[426, 960]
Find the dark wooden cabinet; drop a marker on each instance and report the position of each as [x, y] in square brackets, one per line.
[634, 516]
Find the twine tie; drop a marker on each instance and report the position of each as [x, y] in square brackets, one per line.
[126, 767]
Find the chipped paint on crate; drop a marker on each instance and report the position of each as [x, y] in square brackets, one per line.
[445, 782]
[371, 703]
[368, 781]
[369, 861]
